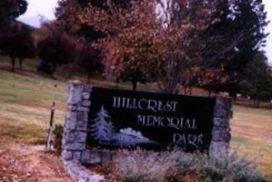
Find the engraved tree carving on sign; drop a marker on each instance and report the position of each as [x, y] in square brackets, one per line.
[102, 131]
[102, 128]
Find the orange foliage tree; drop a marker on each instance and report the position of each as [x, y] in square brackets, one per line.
[156, 39]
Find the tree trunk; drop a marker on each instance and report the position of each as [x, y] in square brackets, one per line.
[186, 90]
[210, 93]
[117, 83]
[13, 60]
[21, 63]
[190, 91]
[88, 78]
[257, 103]
[134, 85]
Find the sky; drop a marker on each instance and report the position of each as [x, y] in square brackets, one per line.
[44, 10]
[38, 10]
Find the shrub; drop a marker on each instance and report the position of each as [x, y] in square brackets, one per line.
[178, 166]
[139, 166]
[230, 167]
[58, 131]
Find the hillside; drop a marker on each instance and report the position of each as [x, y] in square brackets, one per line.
[24, 114]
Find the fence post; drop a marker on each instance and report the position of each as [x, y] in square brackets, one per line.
[50, 129]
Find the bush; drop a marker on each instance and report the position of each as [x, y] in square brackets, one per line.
[58, 131]
[140, 167]
[229, 167]
[178, 166]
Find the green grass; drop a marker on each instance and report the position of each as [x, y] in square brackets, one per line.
[26, 134]
[28, 64]
[25, 103]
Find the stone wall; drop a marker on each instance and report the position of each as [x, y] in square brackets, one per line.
[81, 174]
[221, 127]
[75, 129]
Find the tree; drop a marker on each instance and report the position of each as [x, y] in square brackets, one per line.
[140, 41]
[15, 37]
[172, 42]
[87, 60]
[54, 46]
[67, 15]
[237, 38]
[258, 82]
[102, 128]
[17, 43]
[11, 9]
[65, 43]
[59, 49]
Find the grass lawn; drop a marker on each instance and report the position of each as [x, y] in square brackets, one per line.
[25, 102]
[252, 136]
[28, 64]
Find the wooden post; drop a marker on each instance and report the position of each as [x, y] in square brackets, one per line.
[50, 129]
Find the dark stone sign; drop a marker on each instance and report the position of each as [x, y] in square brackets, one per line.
[129, 119]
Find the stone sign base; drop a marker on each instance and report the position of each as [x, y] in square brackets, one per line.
[77, 116]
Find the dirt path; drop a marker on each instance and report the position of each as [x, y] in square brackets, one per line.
[30, 164]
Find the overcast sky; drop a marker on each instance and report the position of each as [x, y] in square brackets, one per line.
[38, 10]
